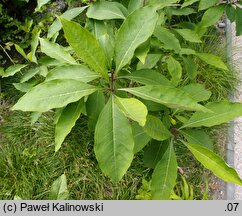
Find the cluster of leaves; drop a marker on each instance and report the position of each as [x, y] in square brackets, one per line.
[124, 70]
[19, 24]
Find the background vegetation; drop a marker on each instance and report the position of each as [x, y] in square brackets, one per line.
[28, 163]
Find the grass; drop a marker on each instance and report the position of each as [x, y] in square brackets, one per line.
[28, 164]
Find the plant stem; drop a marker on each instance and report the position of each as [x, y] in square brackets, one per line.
[7, 54]
[112, 82]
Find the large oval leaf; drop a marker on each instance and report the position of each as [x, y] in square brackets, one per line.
[77, 72]
[175, 70]
[106, 10]
[190, 67]
[199, 137]
[212, 60]
[94, 106]
[169, 96]
[53, 94]
[197, 92]
[86, 46]
[204, 4]
[212, 15]
[67, 121]
[154, 152]
[132, 108]
[56, 51]
[114, 142]
[141, 139]
[156, 129]
[105, 37]
[168, 39]
[164, 175]
[223, 112]
[189, 35]
[150, 61]
[215, 163]
[135, 30]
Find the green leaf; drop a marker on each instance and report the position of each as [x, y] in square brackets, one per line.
[134, 5]
[189, 2]
[135, 30]
[94, 105]
[133, 109]
[197, 92]
[199, 137]
[34, 117]
[223, 112]
[156, 129]
[175, 70]
[154, 152]
[163, 3]
[105, 38]
[1, 71]
[167, 38]
[67, 121]
[148, 77]
[40, 3]
[20, 51]
[212, 60]
[106, 10]
[69, 15]
[205, 4]
[212, 15]
[30, 74]
[53, 94]
[169, 96]
[141, 139]
[34, 44]
[10, 71]
[56, 51]
[190, 67]
[142, 51]
[114, 144]
[76, 72]
[59, 190]
[152, 106]
[214, 163]
[238, 21]
[164, 175]
[43, 71]
[189, 35]
[23, 87]
[187, 51]
[181, 11]
[231, 12]
[16, 197]
[86, 46]
[150, 61]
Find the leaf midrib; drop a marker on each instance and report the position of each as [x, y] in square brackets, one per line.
[64, 94]
[204, 119]
[217, 166]
[111, 12]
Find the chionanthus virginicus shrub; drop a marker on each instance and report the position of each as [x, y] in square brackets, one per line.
[124, 70]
